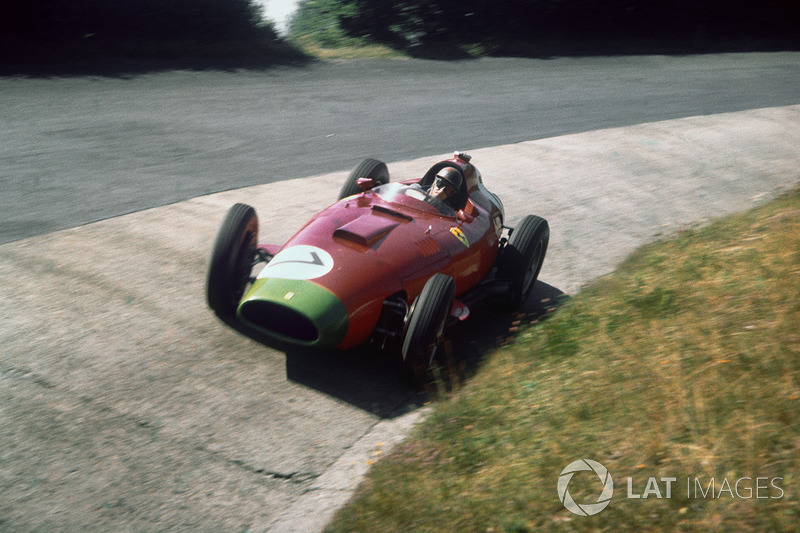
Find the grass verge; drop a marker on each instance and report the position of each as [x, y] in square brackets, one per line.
[684, 364]
[346, 49]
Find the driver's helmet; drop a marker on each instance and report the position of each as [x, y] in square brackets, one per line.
[446, 183]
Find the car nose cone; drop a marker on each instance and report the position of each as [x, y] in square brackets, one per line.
[298, 312]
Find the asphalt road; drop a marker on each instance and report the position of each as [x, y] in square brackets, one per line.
[80, 149]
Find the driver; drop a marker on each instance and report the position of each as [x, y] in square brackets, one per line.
[446, 184]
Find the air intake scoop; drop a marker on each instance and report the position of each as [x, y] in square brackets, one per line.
[366, 230]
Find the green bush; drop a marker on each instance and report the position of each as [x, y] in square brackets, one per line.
[470, 27]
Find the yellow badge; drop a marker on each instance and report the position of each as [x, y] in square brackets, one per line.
[460, 236]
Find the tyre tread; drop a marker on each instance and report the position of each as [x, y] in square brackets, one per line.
[439, 292]
[521, 244]
[226, 252]
[368, 168]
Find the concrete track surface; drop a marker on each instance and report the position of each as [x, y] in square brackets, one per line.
[126, 405]
[75, 150]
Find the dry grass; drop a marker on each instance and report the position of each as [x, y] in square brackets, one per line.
[348, 49]
[685, 363]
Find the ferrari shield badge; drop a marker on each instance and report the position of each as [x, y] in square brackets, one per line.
[460, 236]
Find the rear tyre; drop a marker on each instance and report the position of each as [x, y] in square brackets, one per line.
[522, 258]
[232, 259]
[368, 168]
[422, 345]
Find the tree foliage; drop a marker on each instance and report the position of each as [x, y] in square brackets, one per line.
[58, 20]
[56, 32]
[420, 24]
[321, 20]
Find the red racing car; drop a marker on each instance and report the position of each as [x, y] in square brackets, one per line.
[397, 260]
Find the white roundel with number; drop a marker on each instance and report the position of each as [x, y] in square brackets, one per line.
[298, 262]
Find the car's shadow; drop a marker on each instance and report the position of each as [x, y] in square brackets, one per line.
[371, 378]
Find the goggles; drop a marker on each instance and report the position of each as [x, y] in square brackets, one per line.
[441, 183]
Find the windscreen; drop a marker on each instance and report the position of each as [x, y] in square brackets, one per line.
[413, 196]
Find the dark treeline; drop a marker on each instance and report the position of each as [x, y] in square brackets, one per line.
[498, 26]
[51, 31]
[64, 21]
[61, 31]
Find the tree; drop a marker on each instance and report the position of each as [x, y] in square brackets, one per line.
[417, 25]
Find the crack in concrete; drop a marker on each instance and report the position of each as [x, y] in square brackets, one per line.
[294, 477]
[337, 484]
[141, 423]
[17, 373]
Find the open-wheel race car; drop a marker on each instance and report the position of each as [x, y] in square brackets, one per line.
[388, 261]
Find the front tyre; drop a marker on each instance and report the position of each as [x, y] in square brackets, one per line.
[368, 168]
[424, 337]
[522, 258]
[232, 259]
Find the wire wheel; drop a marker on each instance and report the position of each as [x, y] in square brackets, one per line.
[424, 338]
